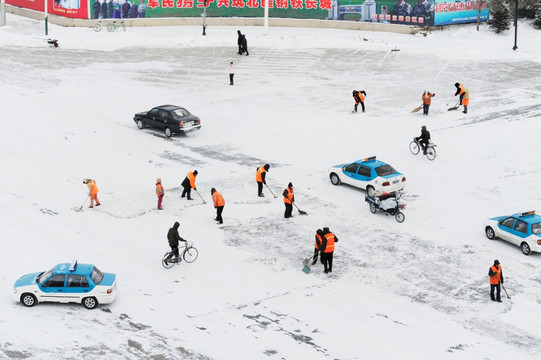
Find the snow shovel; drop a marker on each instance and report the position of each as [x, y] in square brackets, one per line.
[454, 107]
[204, 202]
[271, 191]
[417, 108]
[81, 208]
[300, 211]
[506, 292]
[308, 262]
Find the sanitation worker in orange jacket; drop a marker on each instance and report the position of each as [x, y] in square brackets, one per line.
[188, 184]
[260, 178]
[317, 245]
[159, 192]
[358, 96]
[289, 198]
[92, 191]
[219, 204]
[327, 246]
[495, 276]
[427, 100]
[464, 96]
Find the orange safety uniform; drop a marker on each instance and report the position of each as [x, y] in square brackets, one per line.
[288, 198]
[466, 97]
[191, 177]
[260, 171]
[93, 192]
[317, 244]
[496, 279]
[330, 243]
[427, 98]
[218, 199]
[461, 89]
[159, 189]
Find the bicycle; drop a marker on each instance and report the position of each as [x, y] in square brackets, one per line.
[189, 254]
[415, 147]
[111, 26]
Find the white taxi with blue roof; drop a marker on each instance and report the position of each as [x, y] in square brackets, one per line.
[373, 175]
[67, 283]
[522, 229]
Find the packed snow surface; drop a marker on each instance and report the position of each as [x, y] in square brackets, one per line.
[415, 290]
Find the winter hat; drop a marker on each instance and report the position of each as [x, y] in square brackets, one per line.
[496, 262]
[176, 225]
[195, 172]
[457, 84]
[266, 167]
[158, 180]
[290, 185]
[319, 232]
[326, 230]
[212, 191]
[423, 128]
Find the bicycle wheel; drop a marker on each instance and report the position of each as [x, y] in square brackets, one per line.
[414, 147]
[97, 27]
[111, 27]
[123, 26]
[431, 153]
[190, 254]
[167, 265]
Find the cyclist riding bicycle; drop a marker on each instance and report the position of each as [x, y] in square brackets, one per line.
[424, 138]
[173, 237]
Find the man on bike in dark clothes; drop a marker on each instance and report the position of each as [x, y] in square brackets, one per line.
[423, 139]
[174, 237]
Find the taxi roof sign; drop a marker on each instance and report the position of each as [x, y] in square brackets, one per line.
[73, 265]
[369, 158]
[526, 213]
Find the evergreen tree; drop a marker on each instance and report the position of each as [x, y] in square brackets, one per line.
[499, 17]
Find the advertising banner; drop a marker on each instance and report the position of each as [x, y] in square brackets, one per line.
[67, 8]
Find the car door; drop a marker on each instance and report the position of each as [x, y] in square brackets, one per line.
[164, 119]
[505, 227]
[77, 287]
[153, 118]
[519, 232]
[350, 174]
[52, 289]
[364, 174]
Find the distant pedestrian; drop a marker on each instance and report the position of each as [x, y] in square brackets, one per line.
[327, 246]
[358, 96]
[427, 100]
[96, 7]
[231, 71]
[260, 178]
[134, 11]
[142, 9]
[317, 245]
[116, 12]
[126, 9]
[289, 198]
[219, 204]
[104, 9]
[110, 9]
[159, 192]
[188, 184]
[495, 277]
[244, 45]
[92, 191]
[239, 42]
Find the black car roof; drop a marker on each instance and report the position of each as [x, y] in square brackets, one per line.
[168, 107]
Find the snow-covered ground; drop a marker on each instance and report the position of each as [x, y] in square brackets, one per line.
[416, 290]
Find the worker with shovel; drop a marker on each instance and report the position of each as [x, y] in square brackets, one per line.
[260, 178]
[464, 97]
[495, 277]
[188, 184]
[289, 198]
[317, 248]
[92, 191]
[327, 247]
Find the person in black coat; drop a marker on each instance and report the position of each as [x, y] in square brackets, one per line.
[239, 42]
[104, 9]
[126, 9]
[96, 6]
[423, 139]
[134, 11]
[244, 45]
[173, 237]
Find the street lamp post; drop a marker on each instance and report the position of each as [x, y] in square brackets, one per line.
[205, 18]
[3, 13]
[516, 23]
[46, 19]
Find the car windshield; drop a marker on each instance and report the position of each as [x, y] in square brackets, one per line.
[178, 113]
[96, 275]
[536, 228]
[385, 170]
[45, 275]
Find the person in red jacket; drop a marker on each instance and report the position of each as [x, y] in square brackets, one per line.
[495, 277]
[159, 192]
[327, 248]
[219, 204]
[289, 198]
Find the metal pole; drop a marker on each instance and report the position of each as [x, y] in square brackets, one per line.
[205, 18]
[516, 23]
[46, 19]
[3, 13]
[266, 20]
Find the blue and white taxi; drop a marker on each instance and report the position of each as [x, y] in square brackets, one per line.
[375, 176]
[522, 229]
[67, 283]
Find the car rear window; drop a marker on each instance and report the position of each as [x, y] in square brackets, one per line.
[385, 170]
[536, 228]
[178, 113]
[96, 275]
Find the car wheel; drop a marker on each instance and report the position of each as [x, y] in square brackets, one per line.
[28, 300]
[490, 233]
[370, 190]
[335, 180]
[525, 248]
[140, 124]
[90, 302]
[400, 217]
[168, 132]
[373, 208]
